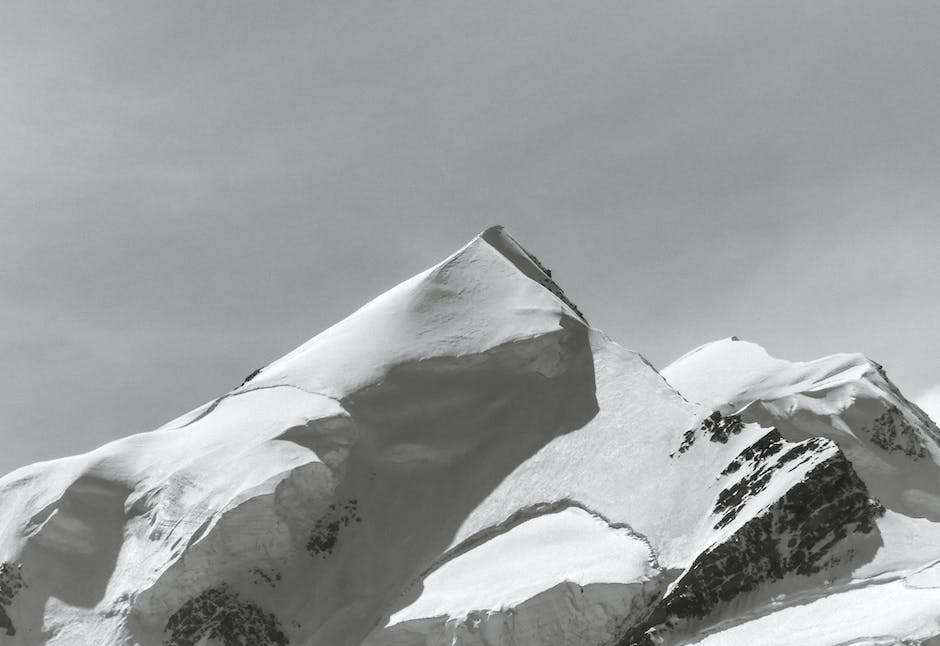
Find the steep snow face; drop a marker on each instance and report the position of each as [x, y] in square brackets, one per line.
[531, 557]
[481, 298]
[302, 504]
[298, 506]
[110, 542]
[893, 445]
[464, 462]
[876, 469]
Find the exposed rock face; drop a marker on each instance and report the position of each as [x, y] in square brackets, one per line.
[223, 617]
[534, 269]
[464, 462]
[801, 533]
[893, 433]
[757, 464]
[327, 529]
[757, 453]
[11, 582]
[716, 427]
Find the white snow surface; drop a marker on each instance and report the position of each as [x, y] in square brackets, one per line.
[480, 298]
[840, 397]
[463, 461]
[730, 371]
[836, 397]
[569, 545]
[880, 614]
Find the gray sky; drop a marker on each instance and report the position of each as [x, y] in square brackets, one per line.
[189, 190]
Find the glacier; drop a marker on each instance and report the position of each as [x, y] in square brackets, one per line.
[465, 461]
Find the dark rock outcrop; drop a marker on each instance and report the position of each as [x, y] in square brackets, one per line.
[716, 427]
[11, 582]
[223, 616]
[893, 433]
[803, 532]
[762, 460]
[327, 529]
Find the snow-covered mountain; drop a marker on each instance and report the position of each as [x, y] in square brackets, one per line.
[464, 461]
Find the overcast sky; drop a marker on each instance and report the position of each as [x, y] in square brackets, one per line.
[189, 190]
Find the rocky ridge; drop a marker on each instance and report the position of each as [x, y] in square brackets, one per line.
[488, 471]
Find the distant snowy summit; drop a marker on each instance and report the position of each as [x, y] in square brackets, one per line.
[465, 462]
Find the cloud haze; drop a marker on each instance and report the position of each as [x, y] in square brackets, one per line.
[191, 190]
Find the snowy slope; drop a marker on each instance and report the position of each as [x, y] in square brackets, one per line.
[848, 401]
[845, 397]
[463, 461]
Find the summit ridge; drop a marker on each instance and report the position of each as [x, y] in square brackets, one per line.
[464, 461]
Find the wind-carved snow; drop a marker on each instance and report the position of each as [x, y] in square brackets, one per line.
[893, 446]
[877, 614]
[463, 461]
[864, 445]
[415, 408]
[570, 546]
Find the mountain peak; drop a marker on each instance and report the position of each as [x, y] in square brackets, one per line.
[462, 460]
[527, 263]
[489, 292]
[498, 238]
